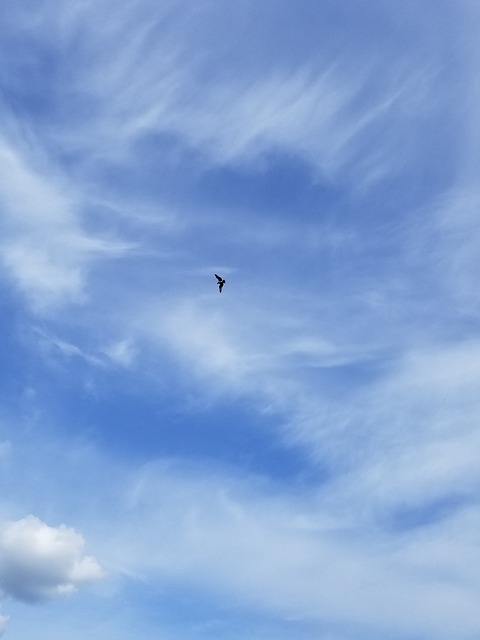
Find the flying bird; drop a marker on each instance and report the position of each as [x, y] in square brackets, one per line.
[220, 283]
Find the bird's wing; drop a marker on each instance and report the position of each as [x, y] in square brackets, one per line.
[218, 278]
[220, 287]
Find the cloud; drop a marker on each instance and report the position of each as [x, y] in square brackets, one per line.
[39, 562]
[122, 352]
[351, 350]
[3, 624]
[454, 236]
[44, 247]
[139, 78]
[293, 555]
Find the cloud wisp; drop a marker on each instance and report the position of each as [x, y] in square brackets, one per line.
[44, 247]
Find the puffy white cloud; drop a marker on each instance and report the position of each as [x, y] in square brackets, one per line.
[39, 562]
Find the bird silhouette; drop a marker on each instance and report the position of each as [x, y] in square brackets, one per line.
[220, 283]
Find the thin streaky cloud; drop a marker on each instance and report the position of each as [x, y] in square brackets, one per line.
[44, 246]
[295, 457]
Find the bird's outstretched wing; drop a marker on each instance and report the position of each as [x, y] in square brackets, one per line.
[218, 278]
[220, 286]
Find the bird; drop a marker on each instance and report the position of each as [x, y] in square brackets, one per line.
[220, 283]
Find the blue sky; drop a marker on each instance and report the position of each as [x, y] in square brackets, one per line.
[298, 456]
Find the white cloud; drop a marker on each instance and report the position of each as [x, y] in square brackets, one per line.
[455, 237]
[3, 624]
[122, 352]
[314, 111]
[401, 440]
[54, 346]
[312, 115]
[43, 245]
[294, 556]
[419, 428]
[39, 562]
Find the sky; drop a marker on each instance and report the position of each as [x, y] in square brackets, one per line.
[296, 457]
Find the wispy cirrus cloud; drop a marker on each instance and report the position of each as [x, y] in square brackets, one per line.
[303, 161]
[290, 556]
[121, 89]
[44, 247]
[343, 547]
